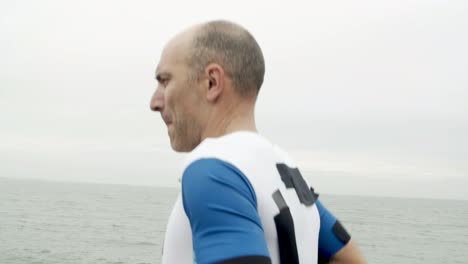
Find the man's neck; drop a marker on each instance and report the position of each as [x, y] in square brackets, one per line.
[236, 117]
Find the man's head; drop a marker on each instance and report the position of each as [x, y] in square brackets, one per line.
[234, 49]
[202, 72]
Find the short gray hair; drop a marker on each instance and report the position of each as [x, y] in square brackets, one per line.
[233, 48]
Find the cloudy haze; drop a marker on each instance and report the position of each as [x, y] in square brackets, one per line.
[370, 97]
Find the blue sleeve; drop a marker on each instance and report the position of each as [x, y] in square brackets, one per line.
[221, 206]
[329, 242]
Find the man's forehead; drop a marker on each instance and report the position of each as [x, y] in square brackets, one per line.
[178, 46]
[168, 60]
[171, 58]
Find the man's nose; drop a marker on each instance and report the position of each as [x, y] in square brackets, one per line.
[157, 101]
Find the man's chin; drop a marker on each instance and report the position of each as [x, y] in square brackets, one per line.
[179, 148]
[182, 148]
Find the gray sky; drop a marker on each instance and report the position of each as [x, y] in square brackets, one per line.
[370, 97]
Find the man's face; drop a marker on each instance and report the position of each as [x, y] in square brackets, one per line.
[177, 98]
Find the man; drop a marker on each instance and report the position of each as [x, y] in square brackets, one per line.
[243, 200]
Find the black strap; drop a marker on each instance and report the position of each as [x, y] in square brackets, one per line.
[247, 260]
[285, 231]
[286, 237]
[292, 178]
[341, 232]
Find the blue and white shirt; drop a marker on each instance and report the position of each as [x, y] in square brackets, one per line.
[243, 198]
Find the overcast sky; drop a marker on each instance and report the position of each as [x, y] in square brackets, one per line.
[370, 97]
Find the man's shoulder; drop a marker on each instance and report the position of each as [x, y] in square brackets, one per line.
[229, 148]
[246, 153]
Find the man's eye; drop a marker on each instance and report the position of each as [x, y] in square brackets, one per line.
[162, 82]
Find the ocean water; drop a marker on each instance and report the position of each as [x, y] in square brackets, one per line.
[69, 223]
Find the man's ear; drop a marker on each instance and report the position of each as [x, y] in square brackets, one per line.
[215, 75]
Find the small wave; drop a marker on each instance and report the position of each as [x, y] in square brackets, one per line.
[144, 243]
